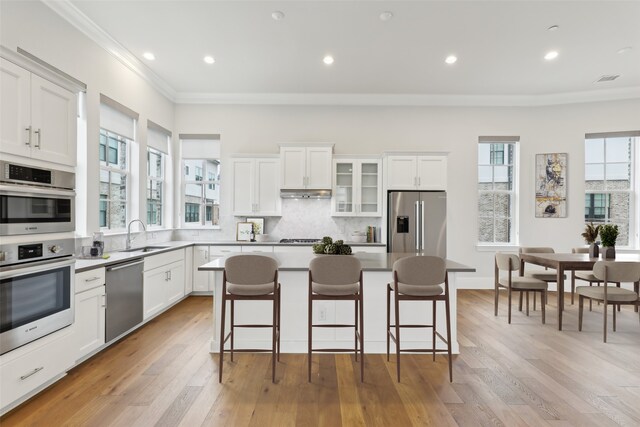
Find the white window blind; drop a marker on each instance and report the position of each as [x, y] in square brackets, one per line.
[158, 140]
[117, 118]
[200, 146]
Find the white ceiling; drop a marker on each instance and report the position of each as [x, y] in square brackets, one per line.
[500, 46]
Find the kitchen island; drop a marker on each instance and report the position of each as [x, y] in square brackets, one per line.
[294, 276]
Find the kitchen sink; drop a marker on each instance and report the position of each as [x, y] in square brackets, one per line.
[146, 249]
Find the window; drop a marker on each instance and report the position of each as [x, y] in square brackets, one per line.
[201, 197]
[497, 190]
[155, 186]
[114, 177]
[609, 183]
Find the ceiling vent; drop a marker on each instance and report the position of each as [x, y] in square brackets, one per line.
[606, 78]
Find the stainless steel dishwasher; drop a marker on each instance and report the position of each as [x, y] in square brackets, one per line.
[124, 297]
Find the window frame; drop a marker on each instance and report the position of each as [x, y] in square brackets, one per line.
[514, 192]
[126, 172]
[632, 191]
[205, 185]
[163, 181]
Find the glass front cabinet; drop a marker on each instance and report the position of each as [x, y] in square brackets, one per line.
[357, 186]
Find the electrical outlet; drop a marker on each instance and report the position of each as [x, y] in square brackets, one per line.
[322, 314]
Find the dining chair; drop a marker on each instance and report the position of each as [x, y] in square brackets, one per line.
[419, 278]
[336, 278]
[250, 278]
[511, 263]
[549, 275]
[607, 272]
[587, 276]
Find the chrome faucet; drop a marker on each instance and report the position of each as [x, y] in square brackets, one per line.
[129, 239]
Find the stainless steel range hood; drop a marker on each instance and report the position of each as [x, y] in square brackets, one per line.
[305, 194]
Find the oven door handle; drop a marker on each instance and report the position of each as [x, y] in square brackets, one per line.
[22, 269]
[22, 190]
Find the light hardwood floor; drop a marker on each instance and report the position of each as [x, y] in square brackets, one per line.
[512, 375]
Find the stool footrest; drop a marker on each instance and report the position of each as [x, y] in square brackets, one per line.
[334, 350]
[412, 326]
[249, 350]
[260, 325]
[340, 325]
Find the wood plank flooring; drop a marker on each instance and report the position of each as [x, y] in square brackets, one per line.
[523, 374]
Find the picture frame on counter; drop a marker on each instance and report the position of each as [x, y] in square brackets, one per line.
[243, 231]
[258, 225]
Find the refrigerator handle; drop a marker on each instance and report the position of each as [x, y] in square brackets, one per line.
[418, 226]
[422, 225]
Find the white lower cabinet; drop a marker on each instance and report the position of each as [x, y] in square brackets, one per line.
[25, 370]
[200, 278]
[90, 321]
[163, 282]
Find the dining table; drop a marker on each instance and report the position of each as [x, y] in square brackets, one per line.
[563, 262]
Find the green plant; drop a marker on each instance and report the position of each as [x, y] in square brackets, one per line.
[329, 247]
[591, 231]
[609, 234]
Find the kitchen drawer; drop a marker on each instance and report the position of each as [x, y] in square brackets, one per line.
[163, 259]
[256, 248]
[223, 250]
[90, 279]
[21, 375]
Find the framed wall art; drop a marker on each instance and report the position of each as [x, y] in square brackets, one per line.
[258, 225]
[551, 185]
[243, 231]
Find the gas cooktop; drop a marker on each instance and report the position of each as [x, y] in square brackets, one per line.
[300, 240]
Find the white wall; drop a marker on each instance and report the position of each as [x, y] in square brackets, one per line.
[372, 130]
[35, 28]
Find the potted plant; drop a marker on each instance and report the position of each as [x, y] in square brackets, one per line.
[609, 234]
[328, 247]
[590, 235]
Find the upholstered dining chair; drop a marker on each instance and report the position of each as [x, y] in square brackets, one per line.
[608, 272]
[587, 276]
[250, 278]
[549, 275]
[419, 278]
[511, 263]
[336, 278]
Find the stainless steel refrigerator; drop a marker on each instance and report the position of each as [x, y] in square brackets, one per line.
[417, 222]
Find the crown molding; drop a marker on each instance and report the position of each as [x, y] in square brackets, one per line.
[79, 20]
[407, 100]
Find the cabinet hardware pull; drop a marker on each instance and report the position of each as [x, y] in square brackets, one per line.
[39, 133]
[92, 279]
[35, 371]
[28, 129]
[104, 301]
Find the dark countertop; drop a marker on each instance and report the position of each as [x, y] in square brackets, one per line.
[370, 262]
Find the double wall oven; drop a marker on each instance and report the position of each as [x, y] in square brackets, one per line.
[36, 278]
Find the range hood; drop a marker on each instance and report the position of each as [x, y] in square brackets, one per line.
[305, 194]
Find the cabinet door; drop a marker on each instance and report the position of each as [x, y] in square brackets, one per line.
[155, 295]
[188, 271]
[200, 278]
[90, 321]
[14, 109]
[293, 164]
[401, 172]
[319, 162]
[343, 203]
[369, 189]
[432, 173]
[54, 120]
[267, 187]
[175, 284]
[242, 171]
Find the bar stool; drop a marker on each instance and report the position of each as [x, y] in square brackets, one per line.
[419, 278]
[250, 278]
[337, 278]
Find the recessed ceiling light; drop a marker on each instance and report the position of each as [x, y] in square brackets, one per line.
[386, 16]
[451, 59]
[553, 28]
[209, 59]
[625, 50]
[551, 55]
[149, 56]
[328, 59]
[277, 15]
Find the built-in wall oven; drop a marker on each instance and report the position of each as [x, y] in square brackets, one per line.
[36, 290]
[35, 200]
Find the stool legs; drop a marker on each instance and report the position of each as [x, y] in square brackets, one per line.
[448, 316]
[222, 319]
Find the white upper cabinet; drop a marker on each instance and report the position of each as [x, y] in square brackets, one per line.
[256, 189]
[357, 188]
[306, 167]
[39, 118]
[426, 172]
